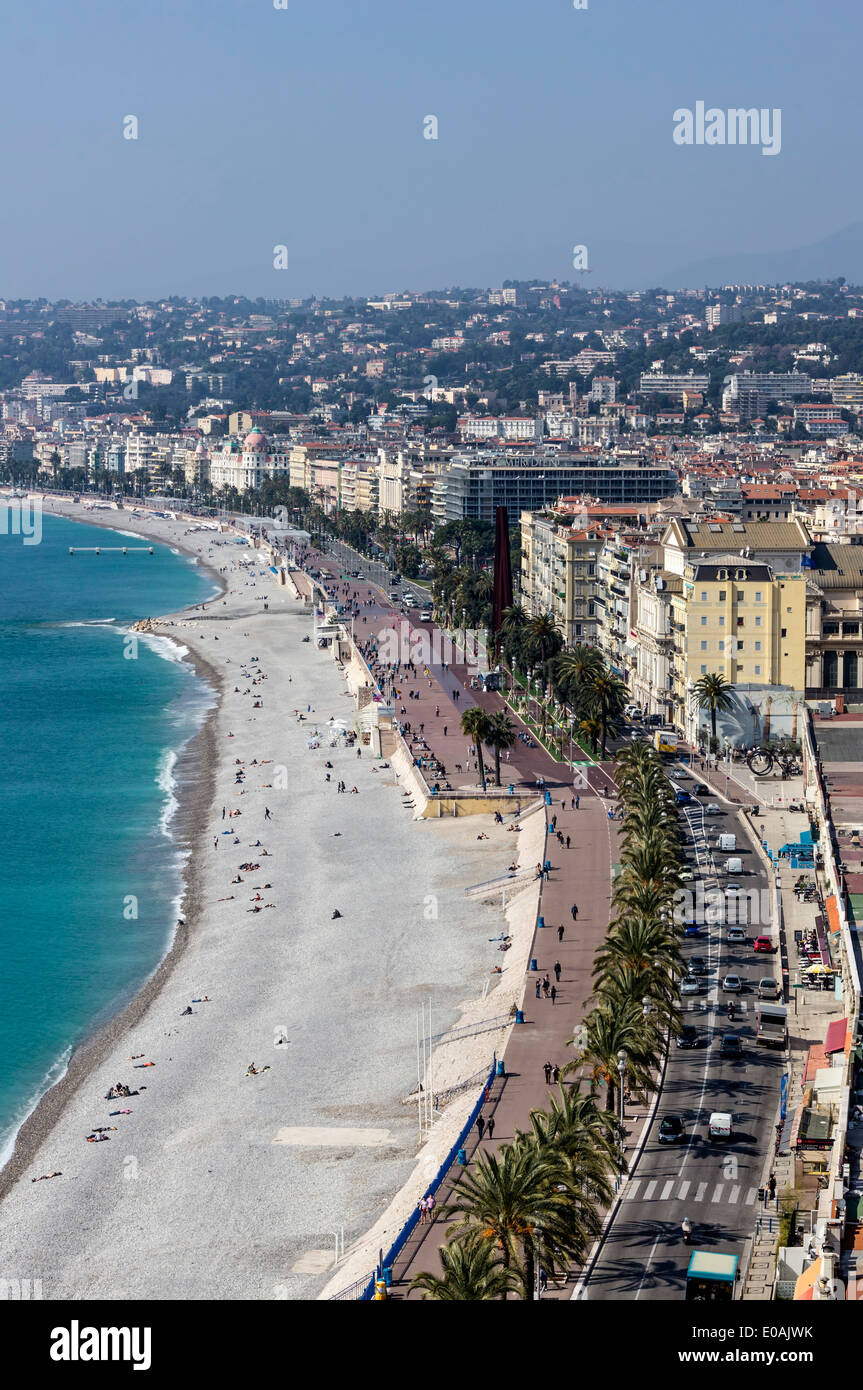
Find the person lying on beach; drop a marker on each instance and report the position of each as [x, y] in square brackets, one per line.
[187, 1010]
[45, 1176]
[229, 898]
[205, 998]
[119, 1112]
[336, 914]
[97, 1138]
[256, 1071]
[144, 1064]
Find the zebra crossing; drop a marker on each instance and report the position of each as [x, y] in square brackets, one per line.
[656, 1190]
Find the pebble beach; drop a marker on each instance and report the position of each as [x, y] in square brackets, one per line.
[274, 1050]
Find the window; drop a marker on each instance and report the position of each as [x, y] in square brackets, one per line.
[722, 646]
[758, 670]
[758, 620]
[784, 632]
[740, 622]
[704, 670]
[703, 595]
[722, 621]
[758, 646]
[830, 629]
[741, 596]
[850, 629]
[757, 595]
[704, 622]
[721, 595]
[740, 646]
[704, 646]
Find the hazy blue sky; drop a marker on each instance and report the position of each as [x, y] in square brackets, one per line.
[304, 127]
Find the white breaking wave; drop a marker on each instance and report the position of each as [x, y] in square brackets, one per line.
[52, 1076]
[166, 780]
[90, 622]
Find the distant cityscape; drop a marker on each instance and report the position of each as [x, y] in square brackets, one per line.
[637, 440]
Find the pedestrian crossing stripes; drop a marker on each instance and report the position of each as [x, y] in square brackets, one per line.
[673, 1190]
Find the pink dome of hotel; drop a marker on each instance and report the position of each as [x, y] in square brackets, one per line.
[255, 439]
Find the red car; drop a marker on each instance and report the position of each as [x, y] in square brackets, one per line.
[763, 943]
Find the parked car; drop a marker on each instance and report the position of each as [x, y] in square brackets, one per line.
[732, 984]
[690, 984]
[687, 1037]
[763, 943]
[731, 1045]
[671, 1130]
[732, 889]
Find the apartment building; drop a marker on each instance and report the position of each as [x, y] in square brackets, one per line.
[775, 386]
[559, 574]
[673, 383]
[741, 620]
[615, 613]
[834, 615]
[248, 463]
[474, 486]
[358, 486]
[521, 428]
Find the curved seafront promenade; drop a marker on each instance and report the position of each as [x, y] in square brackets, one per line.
[214, 1183]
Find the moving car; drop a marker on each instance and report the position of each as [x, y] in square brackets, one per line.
[712, 809]
[732, 984]
[768, 988]
[720, 1125]
[632, 711]
[731, 1045]
[687, 1037]
[736, 935]
[425, 615]
[690, 984]
[697, 965]
[671, 1130]
[682, 798]
[763, 943]
[700, 789]
[732, 889]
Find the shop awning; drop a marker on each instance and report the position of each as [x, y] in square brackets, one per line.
[837, 1032]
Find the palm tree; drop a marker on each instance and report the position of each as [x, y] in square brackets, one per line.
[608, 694]
[477, 725]
[472, 1272]
[574, 668]
[713, 693]
[591, 730]
[609, 1030]
[500, 736]
[507, 1196]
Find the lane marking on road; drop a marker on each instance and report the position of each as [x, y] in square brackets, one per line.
[717, 1195]
[700, 1191]
[647, 1267]
[751, 1195]
[649, 1190]
[667, 1190]
[735, 1195]
[632, 1188]
[684, 1188]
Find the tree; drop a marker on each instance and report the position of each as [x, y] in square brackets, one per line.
[477, 725]
[472, 1272]
[500, 736]
[713, 693]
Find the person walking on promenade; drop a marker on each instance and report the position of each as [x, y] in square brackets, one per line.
[555, 1074]
[553, 993]
[771, 1186]
[444, 730]
[546, 985]
[553, 825]
[480, 1126]
[538, 987]
[567, 842]
[547, 1070]
[577, 802]
[557, 970]
[574, 911]
[423, 1211]
[560, 932]
[490, 1127]
[543, 1280]
[430, 1206]
[268, 815]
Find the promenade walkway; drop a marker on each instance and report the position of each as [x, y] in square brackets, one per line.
[580, 875]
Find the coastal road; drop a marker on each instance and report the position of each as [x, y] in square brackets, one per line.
[714, 1184]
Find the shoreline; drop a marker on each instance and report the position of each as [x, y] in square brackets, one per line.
[348, 999]
[195, 799]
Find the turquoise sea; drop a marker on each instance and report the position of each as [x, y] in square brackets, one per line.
[88, 740]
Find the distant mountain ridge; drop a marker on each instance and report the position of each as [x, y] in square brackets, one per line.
[838, 254]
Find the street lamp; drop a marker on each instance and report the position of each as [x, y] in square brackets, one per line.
[464, 632]
[622, 1059]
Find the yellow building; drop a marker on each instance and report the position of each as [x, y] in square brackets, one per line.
[737, 618]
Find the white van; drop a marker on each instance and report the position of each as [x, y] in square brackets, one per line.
[733, 866]
[720, 1125]
[727, 843]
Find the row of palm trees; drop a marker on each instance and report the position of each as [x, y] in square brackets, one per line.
[540, 1199]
